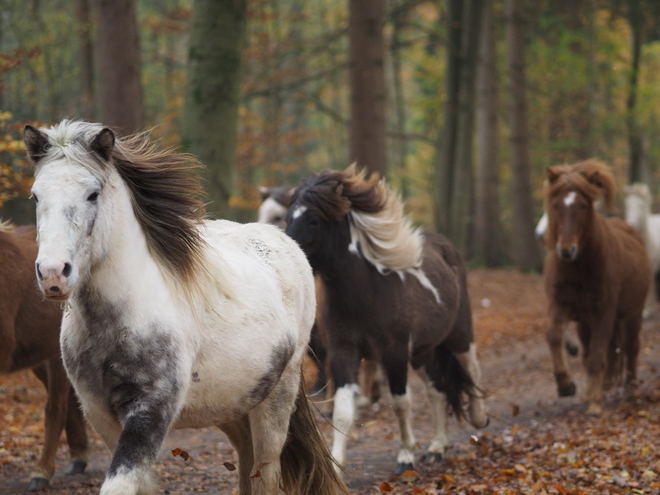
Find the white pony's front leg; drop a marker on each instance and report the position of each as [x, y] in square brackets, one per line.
[137, 481]
[402, 406]
[343, 416]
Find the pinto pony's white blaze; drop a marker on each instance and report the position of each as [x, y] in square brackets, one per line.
[172, 320]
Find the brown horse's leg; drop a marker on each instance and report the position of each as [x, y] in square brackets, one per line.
[596, 360]
[53, 376]
[555, 338]
[632, 330]
[76, 435]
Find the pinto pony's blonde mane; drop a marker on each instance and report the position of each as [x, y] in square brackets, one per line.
[591, 178]
[379, 229]
[164, 187]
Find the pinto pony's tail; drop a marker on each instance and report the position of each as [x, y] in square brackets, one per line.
[308, 467]
[451, 378]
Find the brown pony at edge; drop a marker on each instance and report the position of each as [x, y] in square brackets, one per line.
[597, 273]
[29, 333]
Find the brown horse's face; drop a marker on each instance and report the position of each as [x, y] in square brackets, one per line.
[572, 213]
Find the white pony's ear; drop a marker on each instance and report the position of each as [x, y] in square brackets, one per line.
[103, 143]
[36, 143]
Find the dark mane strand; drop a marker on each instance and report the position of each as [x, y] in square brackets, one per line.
[333, 194]
[167, 199]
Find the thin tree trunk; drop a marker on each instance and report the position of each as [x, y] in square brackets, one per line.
[462, 176]
[120, 98]
[447, 140]
[367, 78]
[86, 61]
[210, 123]
[399, 101]
[635, 17]
[526, 254]
[488, 232]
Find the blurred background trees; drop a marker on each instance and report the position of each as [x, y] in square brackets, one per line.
[273, 92]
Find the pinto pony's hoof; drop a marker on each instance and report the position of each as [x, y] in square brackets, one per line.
[76, 467]
[402, 467]
[38, 484]
[567, 391]
[433, 457]
[481, 423]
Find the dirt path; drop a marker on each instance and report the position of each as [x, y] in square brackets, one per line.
[535, 443]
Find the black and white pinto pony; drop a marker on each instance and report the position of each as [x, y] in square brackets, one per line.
[392, 294]
[173, 321]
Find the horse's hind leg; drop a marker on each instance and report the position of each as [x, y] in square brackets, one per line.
[632, 328]
[76, 435]
[438, 402]
[470, 364]
[269, 425]
[53, 376]
[241, 439]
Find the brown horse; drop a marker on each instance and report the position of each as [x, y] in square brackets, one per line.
[29, 337]
[597, 273]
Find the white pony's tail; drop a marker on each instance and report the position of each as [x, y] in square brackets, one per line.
[307, 464]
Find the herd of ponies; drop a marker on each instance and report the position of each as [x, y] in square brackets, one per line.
[150, 317]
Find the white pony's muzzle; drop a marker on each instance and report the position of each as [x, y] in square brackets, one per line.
[53, 277]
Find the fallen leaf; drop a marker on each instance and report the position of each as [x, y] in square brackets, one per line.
[385, 487]
[515, 410]
[181, 453]
[409, 476]
[229, 466]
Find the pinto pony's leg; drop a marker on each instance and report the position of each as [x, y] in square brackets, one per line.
[555, 337]
[439, 417]
[53, 376]
[470, 364]
[76, 436]
[344, 365]
[396, 368]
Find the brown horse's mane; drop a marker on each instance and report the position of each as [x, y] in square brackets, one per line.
[591, 178]
[378, 225]
[164, 185]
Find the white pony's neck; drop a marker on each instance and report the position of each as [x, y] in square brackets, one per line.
[126, 272]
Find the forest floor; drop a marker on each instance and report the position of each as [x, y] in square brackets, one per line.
[536, 443]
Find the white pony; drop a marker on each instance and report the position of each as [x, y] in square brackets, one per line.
[173, 321]
[638, 215]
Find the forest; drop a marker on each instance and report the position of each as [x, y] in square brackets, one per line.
[587, 79]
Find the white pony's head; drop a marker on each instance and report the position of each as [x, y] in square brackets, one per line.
[68, 191]
[637, 204]
[87, 182]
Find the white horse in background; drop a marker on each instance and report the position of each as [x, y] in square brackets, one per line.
[172, 320]
[638, 214]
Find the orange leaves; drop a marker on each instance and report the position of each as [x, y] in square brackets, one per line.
[230, 466]
[385, 487]
[182, 453]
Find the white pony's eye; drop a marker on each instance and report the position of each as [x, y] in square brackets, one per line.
[93, 197]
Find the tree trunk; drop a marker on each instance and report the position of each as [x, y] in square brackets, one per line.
[210, 122]
[367, 78]
[635, 18]
[526, 254]
[462, 177]
[86, 61]
[120, 98]
[488, 231]
[402, 144]
[447, 140]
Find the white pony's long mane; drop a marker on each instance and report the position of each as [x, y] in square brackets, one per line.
[166, 195]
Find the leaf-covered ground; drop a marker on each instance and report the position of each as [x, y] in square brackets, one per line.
[535, 443]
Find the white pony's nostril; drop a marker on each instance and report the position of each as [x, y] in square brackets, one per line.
[67, 269]
[54, 288]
